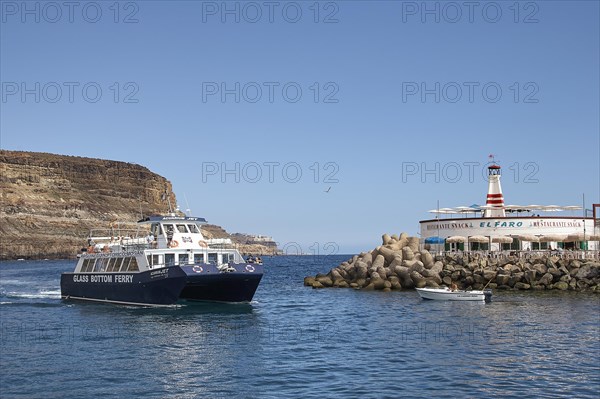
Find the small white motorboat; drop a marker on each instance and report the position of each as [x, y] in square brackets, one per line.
[446, 294]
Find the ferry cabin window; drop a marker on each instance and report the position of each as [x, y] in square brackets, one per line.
[119, 264]
[111, 264]
[227, 258]
[169, 259]
[198, 258]
[153, 260]
[100, 265]
[181, 228]
[88, 265]
[125, 264]
[92, 267]
[212, 258]
[155, 229]
[193, 228]
[133, 265]
[183, 259]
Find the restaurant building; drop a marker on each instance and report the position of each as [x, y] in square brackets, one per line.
[496, 226]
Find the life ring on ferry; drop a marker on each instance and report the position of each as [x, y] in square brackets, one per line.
[203, 243]
[250, 268]
[197, 269]
[173, 244]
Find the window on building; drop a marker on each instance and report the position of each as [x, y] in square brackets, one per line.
[479, 246]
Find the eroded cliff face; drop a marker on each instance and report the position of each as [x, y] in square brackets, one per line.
[50, 202]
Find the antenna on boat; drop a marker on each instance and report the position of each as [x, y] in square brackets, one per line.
[141, 212]
[187, 206]
[165, 196]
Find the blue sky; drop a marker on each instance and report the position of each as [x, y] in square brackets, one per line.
[362, 91]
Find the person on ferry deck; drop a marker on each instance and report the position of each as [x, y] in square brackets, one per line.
[169, 235]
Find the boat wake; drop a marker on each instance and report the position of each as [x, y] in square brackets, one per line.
[43, 294]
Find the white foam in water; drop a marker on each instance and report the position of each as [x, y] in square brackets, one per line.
[40, 295]
[14, 282]
[51, 294]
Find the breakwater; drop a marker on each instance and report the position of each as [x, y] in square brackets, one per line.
[400, 263]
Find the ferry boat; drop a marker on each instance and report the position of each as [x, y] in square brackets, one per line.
[165, 261]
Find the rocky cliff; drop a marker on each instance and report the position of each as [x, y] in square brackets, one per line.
[49, 203]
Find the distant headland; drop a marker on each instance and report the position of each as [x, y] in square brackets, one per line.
[49, 203]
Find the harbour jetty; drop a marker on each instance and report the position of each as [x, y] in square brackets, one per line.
[402, 263]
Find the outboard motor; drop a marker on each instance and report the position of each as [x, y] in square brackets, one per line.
[487, 295]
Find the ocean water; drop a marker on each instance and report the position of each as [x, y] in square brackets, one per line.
[293, 341]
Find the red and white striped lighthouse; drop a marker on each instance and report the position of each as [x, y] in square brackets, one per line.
[495, 199]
